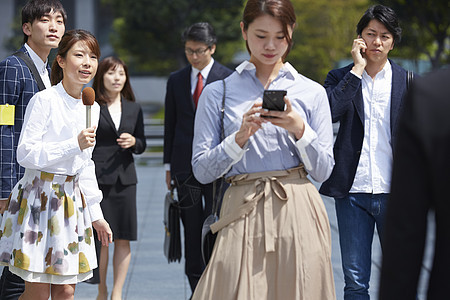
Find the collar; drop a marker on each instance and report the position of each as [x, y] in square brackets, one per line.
[40, 65]
[385, 73]
[205, 71]
[287, 68]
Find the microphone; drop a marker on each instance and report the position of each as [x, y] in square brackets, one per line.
[88, 97]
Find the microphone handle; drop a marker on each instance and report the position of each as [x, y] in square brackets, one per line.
[88, 116]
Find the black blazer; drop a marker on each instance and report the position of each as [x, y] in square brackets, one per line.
[179, 118]
[420, 181]
[111, 161]
[344, 92]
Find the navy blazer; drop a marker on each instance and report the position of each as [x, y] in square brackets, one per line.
[17, 87]
[112, 161]
[179, 118]
[344, 91]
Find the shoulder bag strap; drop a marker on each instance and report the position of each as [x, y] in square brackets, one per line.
[217, 192]
[30, 64]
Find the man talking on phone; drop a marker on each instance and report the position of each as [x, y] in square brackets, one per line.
[366, 97]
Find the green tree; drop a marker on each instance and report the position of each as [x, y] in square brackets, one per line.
[426, 29]
[147, 33]
[324, 34]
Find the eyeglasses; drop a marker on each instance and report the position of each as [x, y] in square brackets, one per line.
[199, 52]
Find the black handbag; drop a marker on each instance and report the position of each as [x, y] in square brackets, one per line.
[209, 238]
[172, 240]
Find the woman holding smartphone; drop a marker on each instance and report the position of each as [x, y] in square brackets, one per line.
[273, 233]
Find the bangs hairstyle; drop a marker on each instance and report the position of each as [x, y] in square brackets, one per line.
[35, 9]
[386, 16]
[69, 39]
[282, 10]
[105, 65]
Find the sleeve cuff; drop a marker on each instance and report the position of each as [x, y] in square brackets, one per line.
[232, 148]
[96, 212]
[73, 147]
[351, 71]
[308, 136]
[166, 167]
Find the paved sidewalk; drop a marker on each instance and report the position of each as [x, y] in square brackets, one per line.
[151, 277]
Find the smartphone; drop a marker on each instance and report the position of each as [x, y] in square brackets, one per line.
[274, 99]
[360, 51]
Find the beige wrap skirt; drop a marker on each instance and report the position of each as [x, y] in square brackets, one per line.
[273, 241]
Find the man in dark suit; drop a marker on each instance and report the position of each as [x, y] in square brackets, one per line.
[43, 26]
[366, 98]
[183, 90]
[420, 180]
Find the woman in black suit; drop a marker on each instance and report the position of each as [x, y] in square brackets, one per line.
[120, 133]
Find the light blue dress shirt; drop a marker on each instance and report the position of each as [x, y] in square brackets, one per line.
[271, 147]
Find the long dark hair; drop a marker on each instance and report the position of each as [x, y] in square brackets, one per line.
[67, 41]
[282, 10]
[105, 65]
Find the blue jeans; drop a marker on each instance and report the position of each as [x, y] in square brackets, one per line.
[357, 214]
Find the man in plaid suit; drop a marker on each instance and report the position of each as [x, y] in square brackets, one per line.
[43, 25]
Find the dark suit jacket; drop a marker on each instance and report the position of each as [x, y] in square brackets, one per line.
[179, 118]
[347, 107]
[111, 161]
[420, 181]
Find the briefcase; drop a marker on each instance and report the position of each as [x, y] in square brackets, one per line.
[172, 239]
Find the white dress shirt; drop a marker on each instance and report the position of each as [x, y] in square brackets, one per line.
[205, 72]
[40, 66]
[49, 141]
[373, 174]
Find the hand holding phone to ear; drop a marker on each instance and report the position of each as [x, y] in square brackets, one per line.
[359, 57]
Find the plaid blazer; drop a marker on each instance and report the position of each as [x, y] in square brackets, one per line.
[17, 86]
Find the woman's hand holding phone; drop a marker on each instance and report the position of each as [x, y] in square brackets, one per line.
[288, 119]
[358, 53]
[251, 122]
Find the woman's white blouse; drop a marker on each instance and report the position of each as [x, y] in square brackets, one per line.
[49, 141]
[271, 147]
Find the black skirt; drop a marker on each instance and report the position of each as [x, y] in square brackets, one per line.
[119, 209]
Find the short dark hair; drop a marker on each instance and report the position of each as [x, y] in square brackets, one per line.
[35, 9]
[66, 43]
[200, 32]
[384, 15]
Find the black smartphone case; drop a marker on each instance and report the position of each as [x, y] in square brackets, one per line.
[274, 99]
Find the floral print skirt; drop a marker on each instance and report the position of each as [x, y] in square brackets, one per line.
[46, 233]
